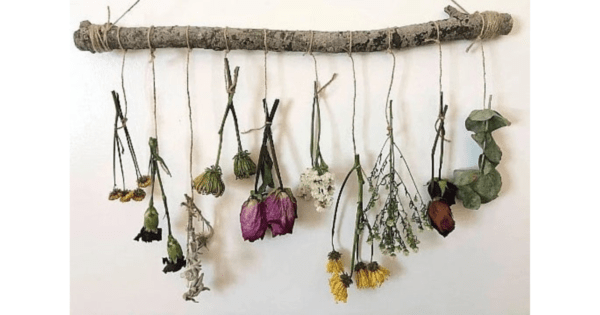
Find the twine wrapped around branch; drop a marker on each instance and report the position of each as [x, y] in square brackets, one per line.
[460, 26]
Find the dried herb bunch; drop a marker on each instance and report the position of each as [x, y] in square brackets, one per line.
[392, 225]
[276, 209]
[197, 241]
[150, 231]
[124, 195]
[317, 182]
[210, 182]
[482, 185]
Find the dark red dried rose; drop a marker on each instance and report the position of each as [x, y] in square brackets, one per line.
[441, 217]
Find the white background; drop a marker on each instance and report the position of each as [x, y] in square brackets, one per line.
[481, 268]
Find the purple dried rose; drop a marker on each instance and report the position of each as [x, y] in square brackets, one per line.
[252, 219]
[280, 210]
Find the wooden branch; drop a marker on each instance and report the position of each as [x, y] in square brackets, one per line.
[459, 26]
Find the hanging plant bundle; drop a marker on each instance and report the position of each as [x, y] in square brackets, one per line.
[125, 195]
[482, 185]
[317, 182]
[385, 176]
[442, 191]
[277, 209]
[150, 231]
[367, 275]
[198, 240]
[210, 182]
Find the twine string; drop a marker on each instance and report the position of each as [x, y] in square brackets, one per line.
[189, 102]
[153, 80]
[225, 32]
[99, 33]
[354, 97]
[387, 100]
[266, 52]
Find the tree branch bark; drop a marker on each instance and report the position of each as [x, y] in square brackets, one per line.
[460, 26]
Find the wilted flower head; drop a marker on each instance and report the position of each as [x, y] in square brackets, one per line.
[339, 283]
[281, 211]
[115, 194]
[334, 264]
[362, 276]
[377, 274]
[210, 182]
[252, 219]
[319, 187]
[150, 231]
[139, 194]
[441, 217]
[144, 181]
[175, 261]
[243, 166]
[126, 195]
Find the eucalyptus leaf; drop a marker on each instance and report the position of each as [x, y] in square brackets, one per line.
[469, 197]
[492, 150]
[465, 177]
[488, 166]
[479, 137]
[497, 122]
[482, 114]
[488, 186]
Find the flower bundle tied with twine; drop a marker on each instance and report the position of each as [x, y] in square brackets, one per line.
[210, 182]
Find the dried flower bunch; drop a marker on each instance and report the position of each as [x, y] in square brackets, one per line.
[211, 182]
[197, 241]
[124, 195]
[150, 231]
[482, 185]
[317, 182]
[394, 237]
[276, 209]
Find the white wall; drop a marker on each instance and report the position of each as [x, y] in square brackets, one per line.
[481, 268]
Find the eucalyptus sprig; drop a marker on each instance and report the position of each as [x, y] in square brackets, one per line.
[385, 176]
[482, 185]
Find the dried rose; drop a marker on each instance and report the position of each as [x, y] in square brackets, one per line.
[441, 217]
[252, 219]
[281, 211]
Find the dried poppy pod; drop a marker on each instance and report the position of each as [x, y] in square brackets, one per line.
[441, 217]
[127, 195]
[115, 194]
[139, 194]
[144, 181]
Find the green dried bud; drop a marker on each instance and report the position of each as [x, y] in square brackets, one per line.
[174, 249]
[151, 220]
[210, 182]
[243, 166]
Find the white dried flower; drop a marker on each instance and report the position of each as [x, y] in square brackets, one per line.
[318, 187]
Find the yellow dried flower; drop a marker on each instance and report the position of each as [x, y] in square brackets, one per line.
[127, 195]
[339, 284]
[115, 194]
[362, 276]
[334, 264]
[139, 194]
[144, 181]
[377, 274]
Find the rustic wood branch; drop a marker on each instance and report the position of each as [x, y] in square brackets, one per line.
[460, 26]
